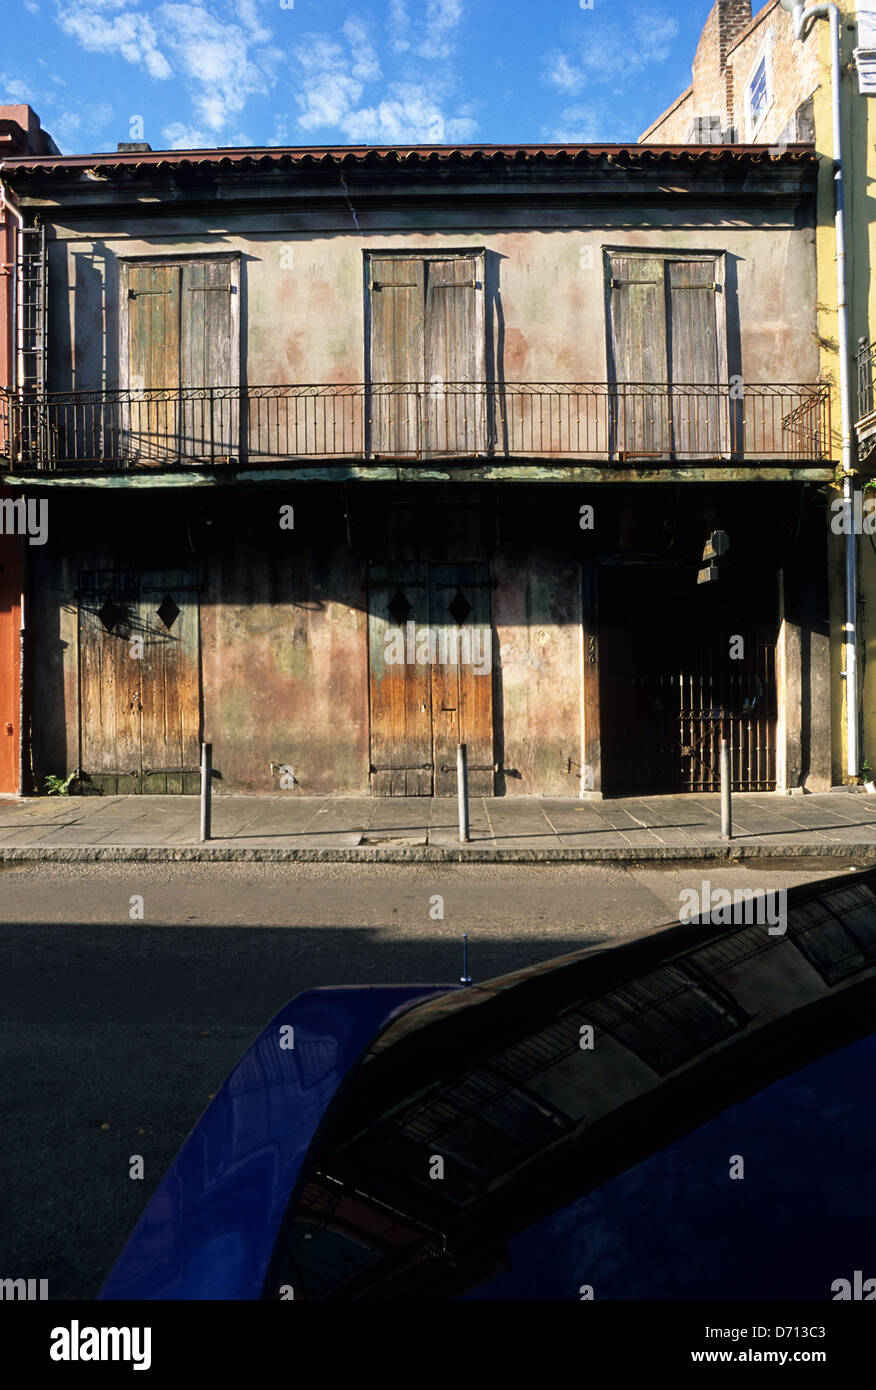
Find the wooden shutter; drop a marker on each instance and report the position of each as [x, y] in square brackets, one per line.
[209, 357]
[639, 363]
[699, 419]
[150, 423]
[397, 354]
[454, 417]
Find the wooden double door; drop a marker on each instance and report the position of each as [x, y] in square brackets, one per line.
[430, 642]
[139, 680]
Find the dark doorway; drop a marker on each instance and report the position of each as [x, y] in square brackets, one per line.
[681, 665]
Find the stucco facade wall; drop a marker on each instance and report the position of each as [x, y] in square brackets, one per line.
[303, 293]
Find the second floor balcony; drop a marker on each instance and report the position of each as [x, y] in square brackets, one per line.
[625, 423]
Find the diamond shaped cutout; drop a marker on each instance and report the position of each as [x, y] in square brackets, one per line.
[459, 607]
[399, 608]
[168, 612]
[109, 614]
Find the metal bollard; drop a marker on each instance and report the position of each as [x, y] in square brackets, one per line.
[206, 789]
[726, 812]
[462, 791]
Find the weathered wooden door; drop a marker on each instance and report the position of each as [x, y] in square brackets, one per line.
[431, 683]
[638, 360]
[426, 367]
[700, 419]
[462, 688]
[400, 686]
[139, 680]
[181, 345]
[109, 681]
[170, 688]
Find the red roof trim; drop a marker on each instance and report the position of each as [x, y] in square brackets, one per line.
[312, 156]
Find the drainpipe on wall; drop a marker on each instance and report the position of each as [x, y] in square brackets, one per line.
[804, 16]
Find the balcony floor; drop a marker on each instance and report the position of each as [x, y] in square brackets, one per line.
[445, 471]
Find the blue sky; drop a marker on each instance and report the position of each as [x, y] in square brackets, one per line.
[295, 72]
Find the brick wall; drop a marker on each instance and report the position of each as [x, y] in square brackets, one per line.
[712, 78]
[673, 126]
[729, 48]
[794, 75]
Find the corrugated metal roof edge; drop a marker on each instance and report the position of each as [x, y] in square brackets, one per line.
[381, 155]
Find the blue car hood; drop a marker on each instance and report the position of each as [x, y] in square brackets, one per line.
[209, 1230]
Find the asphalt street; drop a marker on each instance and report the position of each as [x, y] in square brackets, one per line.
[116, 1029]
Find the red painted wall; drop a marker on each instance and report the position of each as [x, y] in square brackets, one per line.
[20, 133]
[10, 619]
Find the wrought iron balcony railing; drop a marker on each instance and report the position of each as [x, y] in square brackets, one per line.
[866, 373]
[259, 426]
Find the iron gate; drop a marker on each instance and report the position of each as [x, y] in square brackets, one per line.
[672, 688]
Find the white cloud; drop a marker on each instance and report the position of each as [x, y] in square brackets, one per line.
[16, 90]
[408, 115]
[601, 57]
[579, 125]
[399, 25]
[331, 95]
[131, 35]
[333, 81]
[564, 76]
[178, 136]
[72, 124]
[31, 6]
[366, 67]
[442, 17]
[224, 60]
[215, 56]
[432, 34]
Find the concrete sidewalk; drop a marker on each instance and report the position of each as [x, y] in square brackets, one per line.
[516, 829]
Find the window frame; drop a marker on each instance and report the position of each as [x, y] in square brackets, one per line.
[763, 58]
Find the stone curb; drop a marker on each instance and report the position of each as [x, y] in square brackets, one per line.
[428, 854]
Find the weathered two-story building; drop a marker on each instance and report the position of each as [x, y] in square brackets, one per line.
[351, 454]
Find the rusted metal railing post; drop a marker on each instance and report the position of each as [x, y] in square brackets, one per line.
[462, 791]
[726, 812]
[206, 790]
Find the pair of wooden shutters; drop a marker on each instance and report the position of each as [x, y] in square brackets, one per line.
[181, 342]
[668, 357]
[420, 710]
[427, 396]
[139, 681]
